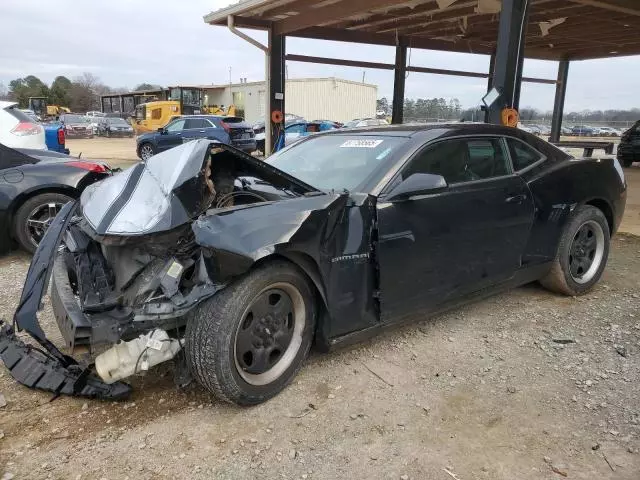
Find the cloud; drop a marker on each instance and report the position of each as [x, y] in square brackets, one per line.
[166, 42]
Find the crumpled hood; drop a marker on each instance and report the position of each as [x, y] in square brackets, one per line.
[157, 195]
[169, 189]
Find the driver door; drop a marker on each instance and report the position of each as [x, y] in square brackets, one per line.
[171, 136]
[436, 248]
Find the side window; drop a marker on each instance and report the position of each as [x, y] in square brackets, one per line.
[176, 126]
[156, 114]
[461, 160]
[298, 128]
[194, 123]
[522, 155]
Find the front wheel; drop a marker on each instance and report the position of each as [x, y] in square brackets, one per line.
[246, 343]
[146, 151]
[626, 162]
[582, 253]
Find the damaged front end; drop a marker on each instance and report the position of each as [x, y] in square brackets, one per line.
[126, 268]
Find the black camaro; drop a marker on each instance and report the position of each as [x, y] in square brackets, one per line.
[234, 266]
[34, 185]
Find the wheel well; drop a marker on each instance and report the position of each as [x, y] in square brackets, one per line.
[20, 199]
[310, 269]
[605, 208]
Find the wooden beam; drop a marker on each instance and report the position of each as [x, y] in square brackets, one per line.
[334, 11]
[335, 34]
[339, 61]
[404, 15]
[391, 66]
[609, 6]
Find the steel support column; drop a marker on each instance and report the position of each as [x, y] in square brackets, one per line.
[558, 105]
[276, 85]
[492, 68]
[399, 78]
[507, 77]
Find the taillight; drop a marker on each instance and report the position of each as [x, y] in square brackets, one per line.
[61, 137]
[26, 128]
[92, 167]
[226, 127]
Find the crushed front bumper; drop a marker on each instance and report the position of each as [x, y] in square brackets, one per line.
[48, 369]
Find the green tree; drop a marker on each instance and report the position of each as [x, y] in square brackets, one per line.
[30, 86]
[146, 86]
[382, 105]
[60, 92]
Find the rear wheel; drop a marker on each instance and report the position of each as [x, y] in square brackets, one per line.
[146, 151]
[246, 343]
[582, 253]
[34, 217]
[626, 162]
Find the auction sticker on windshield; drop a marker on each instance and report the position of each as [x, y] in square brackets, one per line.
[361, 143]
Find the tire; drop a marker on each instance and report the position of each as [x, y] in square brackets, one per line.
[146, 151]
[217, 328]
[40, 208]
[561, 278]
[627, 162]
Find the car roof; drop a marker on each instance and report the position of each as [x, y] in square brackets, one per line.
[411, 129]
[5, 104]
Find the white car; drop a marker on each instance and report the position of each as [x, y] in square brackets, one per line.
[95, 114]
[610, 132]
[94, 121]
[18, 130]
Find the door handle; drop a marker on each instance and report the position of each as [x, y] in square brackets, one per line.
[516, 198]
[203, 131]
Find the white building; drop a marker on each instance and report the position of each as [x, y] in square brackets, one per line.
[311, 98]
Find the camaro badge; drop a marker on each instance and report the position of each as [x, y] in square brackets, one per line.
[345, 258]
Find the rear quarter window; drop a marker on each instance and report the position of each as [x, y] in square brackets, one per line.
[522, 155]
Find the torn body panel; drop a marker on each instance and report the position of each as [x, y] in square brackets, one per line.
[138, 258]
[335, 231]
[48, 370]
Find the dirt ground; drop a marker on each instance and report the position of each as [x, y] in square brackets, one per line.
[524, 385]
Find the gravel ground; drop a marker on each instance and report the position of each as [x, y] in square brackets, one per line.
[524, 385]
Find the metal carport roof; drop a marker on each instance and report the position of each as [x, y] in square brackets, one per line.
[558, 29]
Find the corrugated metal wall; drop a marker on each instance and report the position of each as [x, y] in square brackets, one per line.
[311, 98]
[330, 99]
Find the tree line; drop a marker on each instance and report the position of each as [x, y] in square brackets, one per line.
[432, 109]
[425, 109]
[80, 94]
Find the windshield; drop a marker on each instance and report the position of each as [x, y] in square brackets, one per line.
[74, 119]
[117, 121]
[336, 162]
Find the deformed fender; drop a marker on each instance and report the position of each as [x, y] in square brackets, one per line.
[235, 239]
[328, 236]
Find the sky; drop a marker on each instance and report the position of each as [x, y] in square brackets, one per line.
[126, 43]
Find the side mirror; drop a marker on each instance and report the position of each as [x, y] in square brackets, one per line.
[161, 131]
[417, 184]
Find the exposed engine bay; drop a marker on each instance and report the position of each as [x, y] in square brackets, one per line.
[129, 267]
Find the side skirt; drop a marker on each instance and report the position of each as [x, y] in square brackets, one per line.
[522, 277]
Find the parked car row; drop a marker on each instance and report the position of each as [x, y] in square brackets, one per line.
[577, 130]
[589, 131]
[232, 131]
